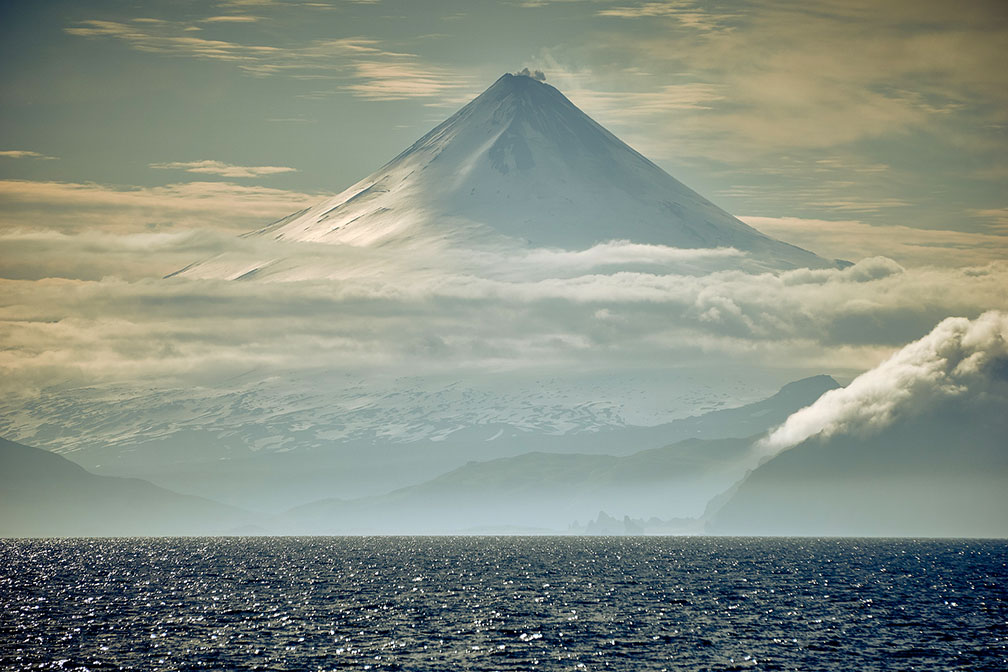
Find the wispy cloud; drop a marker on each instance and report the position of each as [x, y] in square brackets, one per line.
[998, 217]
[232, 18]
[808, 77]
[368, 68]
[861, 204]
[683, 11]
[23, 154]
[82, 295]
[834, 163]
[250, 3]
[854, 239]
[401, 80]
[643, 104]
[168, 41]
[210, 167]
[74, 207]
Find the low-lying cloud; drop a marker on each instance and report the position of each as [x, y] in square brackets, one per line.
[93, 307]
[83, 299]
[959, 357]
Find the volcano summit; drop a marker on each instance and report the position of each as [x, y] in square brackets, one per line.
[519, 167]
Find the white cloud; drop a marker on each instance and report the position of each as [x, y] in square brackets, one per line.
[638, 105]
[620, 254]
[23, 154]
[105, 314]
[232, 18]
[82, 295]
[169, 38]
[402, 79]
[94, 254]
[959, 355]
[210, 167]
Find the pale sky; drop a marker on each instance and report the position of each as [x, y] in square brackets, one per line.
[137, 137]
[891, 114]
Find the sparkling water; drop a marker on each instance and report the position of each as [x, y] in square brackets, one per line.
[504, 603]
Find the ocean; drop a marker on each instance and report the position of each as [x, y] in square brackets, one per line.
[503, 603]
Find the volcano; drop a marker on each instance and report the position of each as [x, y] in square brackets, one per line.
[521, 165]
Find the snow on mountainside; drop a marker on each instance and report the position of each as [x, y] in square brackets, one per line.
[520, 166]
[309, 410]
[268, 444]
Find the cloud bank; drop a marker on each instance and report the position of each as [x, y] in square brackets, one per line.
[93, 307]
[959, 356]
[82, 299]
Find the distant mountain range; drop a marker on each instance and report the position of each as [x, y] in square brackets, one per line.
[545, 491]
[45, 494]
[941, 473]
[271, 481]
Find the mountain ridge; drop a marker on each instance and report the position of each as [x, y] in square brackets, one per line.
[939, 475]
[43, 494]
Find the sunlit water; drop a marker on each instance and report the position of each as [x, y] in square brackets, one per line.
[568, 603]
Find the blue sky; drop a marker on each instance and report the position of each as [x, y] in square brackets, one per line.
[136, 137]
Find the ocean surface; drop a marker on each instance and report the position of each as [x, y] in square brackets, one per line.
[506, 603]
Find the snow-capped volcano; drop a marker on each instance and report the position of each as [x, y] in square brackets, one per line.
[521, 165]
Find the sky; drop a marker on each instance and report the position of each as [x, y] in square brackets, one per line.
[138, 137]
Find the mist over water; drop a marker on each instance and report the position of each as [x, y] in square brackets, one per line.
[517, 603]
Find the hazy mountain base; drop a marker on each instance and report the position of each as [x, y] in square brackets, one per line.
[540, 491]
[45, 495]
[944, 473]
[937, 474]
[215, 463]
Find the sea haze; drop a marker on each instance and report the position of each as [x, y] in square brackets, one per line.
[504, 603]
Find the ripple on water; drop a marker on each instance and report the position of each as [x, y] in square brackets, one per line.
[509, 603]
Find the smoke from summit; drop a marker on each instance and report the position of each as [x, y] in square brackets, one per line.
[535, 74]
